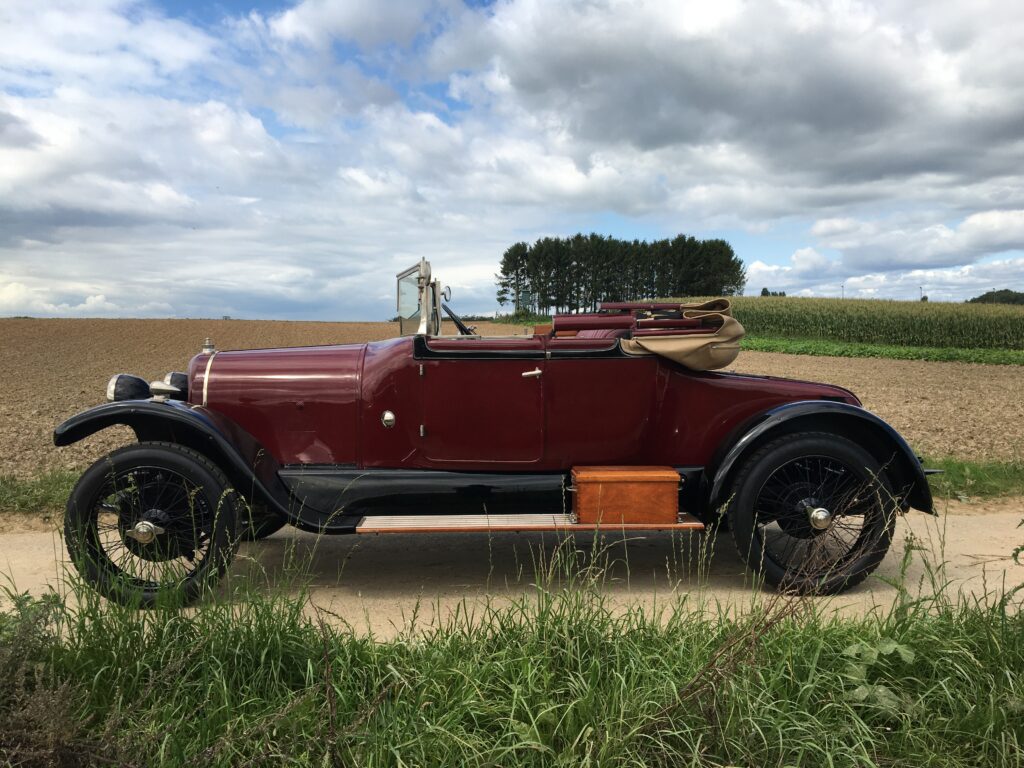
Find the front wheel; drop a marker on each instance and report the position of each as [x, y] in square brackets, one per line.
[152, 522]
[813, 513]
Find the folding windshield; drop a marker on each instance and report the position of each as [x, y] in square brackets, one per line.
[418, 301]
[409, 301]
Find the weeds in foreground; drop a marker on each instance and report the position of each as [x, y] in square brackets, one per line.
[560, 676]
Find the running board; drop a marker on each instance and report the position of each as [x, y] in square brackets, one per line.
[484, 523]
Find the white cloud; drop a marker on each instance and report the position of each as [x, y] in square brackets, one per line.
[18, 299]
[367, 23]
[290, 162]
[807, 271]
[892, 244]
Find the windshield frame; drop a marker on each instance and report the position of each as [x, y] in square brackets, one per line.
[427, 318]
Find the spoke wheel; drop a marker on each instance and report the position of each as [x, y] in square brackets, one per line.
[151, 522]
[813, 513]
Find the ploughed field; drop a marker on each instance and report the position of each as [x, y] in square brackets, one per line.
[54, 368]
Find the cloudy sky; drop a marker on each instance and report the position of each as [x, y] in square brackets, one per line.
[274, 159]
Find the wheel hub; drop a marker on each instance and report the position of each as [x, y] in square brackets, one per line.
[150, 536]
[819, 518]
[144, 532]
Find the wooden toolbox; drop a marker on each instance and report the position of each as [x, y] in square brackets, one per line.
[625, 495]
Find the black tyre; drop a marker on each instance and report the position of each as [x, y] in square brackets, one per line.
[152, 522]
[812, 512]
[258, 522]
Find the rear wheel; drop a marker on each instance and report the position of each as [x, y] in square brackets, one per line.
[813, 513]
[152, 522]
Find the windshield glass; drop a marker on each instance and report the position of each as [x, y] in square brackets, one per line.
[409, 303]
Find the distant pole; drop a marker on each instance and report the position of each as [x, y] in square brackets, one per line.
[921, 288]
[842, 287]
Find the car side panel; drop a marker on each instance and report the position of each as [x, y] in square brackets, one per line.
[696, 411]
[600, 410]
[390, 382]
[600, 406]
[323, 405]
[299, 403]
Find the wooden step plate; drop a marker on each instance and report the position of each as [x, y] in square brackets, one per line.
[483, 523]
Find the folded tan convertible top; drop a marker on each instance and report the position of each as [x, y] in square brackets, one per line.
[715, 348]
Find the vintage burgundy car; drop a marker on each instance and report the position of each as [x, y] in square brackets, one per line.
[608, 420]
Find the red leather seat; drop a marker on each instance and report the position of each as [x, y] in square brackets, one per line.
[603, 333]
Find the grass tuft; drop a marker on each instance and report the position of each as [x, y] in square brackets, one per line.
[830, 348]
[976, 479]
[44, 494]
[558, 677]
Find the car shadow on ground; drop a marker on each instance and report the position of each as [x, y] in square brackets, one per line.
[404, 565]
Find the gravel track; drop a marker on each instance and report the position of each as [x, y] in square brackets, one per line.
[55, 368]
[379, 583]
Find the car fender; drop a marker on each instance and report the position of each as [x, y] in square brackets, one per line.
[251, 470]
[886, 444]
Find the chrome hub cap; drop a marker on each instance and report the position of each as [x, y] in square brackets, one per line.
[144, 532]
[819, 517]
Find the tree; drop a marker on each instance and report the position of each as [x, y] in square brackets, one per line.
[512, 279]
[1004, 296]
[575, 274]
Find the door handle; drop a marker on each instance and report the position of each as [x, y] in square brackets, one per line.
[532, 374]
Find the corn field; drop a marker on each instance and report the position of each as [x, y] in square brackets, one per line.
[873, 321]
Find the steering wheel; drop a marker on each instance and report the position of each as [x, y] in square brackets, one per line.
[464, 330]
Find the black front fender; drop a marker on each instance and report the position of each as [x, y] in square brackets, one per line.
[251, 470]
[886, 444]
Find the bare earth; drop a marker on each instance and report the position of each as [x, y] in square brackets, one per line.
[377, 583]
[55, 368]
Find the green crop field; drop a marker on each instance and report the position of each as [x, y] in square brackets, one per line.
[903, 323]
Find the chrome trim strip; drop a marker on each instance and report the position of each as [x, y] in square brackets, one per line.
[206, 377]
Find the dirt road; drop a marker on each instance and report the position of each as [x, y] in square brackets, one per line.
[375, 583]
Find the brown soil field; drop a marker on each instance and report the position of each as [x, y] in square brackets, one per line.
[55, 368]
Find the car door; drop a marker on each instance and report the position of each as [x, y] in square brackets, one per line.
[600, 403]
[483, 401]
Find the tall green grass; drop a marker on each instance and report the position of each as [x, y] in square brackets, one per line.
[44, 494]
[560, 677]
[828, 348]
[979, 479]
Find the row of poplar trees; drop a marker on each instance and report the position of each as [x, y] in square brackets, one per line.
[575, 274]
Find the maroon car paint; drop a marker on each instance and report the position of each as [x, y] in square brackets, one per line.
[301, 404]
[323, 405]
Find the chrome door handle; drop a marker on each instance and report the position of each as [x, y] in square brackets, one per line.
[532, 374]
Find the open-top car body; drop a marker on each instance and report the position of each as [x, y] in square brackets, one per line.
[429, 432]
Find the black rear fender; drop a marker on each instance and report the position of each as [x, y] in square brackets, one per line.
[853, 422]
